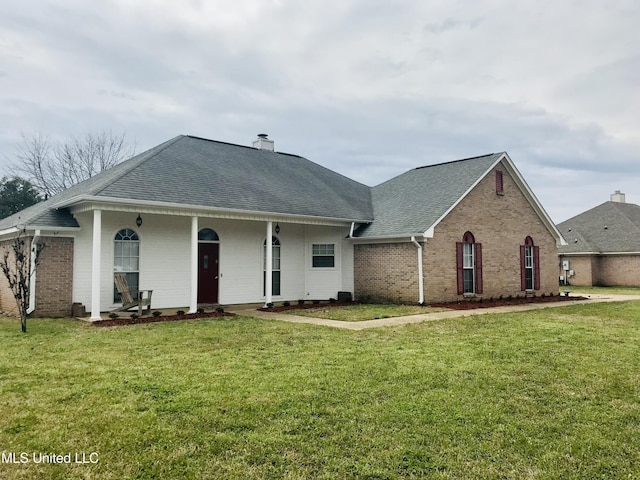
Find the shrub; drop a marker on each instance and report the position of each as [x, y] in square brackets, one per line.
[113, 315]
[300, 302]
[316, 302]
[269, 305]
[200, 310]
[157, 313]
[286, 303]
[219, 309]
[180, 312]
[134, 315]
[332, 300]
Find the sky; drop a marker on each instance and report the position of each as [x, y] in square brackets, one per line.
[367, 88]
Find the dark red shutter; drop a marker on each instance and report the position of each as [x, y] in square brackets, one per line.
[523, 268]
[459, 265]
[478, 252]
[536, 268]
[499, 182]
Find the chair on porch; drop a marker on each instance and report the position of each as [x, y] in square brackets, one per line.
[139, 298]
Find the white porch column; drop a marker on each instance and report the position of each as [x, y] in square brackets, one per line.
[268, 277]
[95, 265]
[193, 303]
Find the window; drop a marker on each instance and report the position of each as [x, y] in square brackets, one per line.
[323, 255]
[499, 183]
[275, 267]
[126, 259]
[208, 235]
[529, 265]
[469, 265]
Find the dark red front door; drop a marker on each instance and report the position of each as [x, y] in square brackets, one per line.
[208, 272]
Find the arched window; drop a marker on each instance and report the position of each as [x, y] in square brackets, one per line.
[208, 235]
[469, 265]
[275, 267]
[126, 259]
[529, 265]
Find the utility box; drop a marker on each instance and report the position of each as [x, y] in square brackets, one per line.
[565, 265]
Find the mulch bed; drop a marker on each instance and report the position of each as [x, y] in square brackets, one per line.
[306, 306]
[119, 322]
[471, 304]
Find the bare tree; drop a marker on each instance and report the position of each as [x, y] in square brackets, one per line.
[55, 166]
[20, 258]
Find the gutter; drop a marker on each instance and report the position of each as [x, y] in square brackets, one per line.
[32, 273]
[420, 270]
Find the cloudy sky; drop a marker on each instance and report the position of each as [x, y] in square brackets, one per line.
[369, 88]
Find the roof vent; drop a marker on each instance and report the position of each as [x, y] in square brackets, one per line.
[263, 143]
[618, 197]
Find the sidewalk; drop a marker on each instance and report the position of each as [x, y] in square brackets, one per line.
[398, 321]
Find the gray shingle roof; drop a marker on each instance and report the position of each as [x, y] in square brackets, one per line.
[611, 227]
[194, 171]
[412, 202]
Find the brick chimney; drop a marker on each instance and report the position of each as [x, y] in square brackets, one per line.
[618, 197]
[263, 143]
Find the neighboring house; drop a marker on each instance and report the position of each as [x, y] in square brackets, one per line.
[192, 218]
[603, 245]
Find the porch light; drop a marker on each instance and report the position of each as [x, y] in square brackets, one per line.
[277, 229]
[139, 220]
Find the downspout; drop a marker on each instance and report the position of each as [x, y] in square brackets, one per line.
[353, 224]
[32, 273]
[420, 271]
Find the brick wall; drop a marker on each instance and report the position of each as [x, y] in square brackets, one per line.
[386, 272]
[621, 270]
[7, 302]
[584, 268]
[500, 222]
[55, 278]
[53, 283]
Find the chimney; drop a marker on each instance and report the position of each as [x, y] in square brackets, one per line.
[617, 197]
[263, 143]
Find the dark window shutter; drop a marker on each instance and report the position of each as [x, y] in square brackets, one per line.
[478, 254]
[499, 182]
[536, 268]
[523, 271]
[459, 265]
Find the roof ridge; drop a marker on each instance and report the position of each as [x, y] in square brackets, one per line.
[460, 160]
[195, 137]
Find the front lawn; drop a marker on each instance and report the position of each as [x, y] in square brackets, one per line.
[360, 312]
[576, 290]
[541, 395]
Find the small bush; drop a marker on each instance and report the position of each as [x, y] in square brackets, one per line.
[113, 315]
[219, 309]
[300, 302]
[269, 305]
[316, 302]
[286, 303]
[134, 315]
[157, 313]
[200, 310]
[332, 300]
[180, 312]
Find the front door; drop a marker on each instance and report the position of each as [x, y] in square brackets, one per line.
[208, 272]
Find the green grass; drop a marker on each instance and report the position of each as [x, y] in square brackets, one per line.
[576, 290]
[535, 395]
[360, 312]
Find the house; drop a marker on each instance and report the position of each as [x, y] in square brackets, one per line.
[206, 222]
[603, 245]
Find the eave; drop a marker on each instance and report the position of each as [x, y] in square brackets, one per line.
[86, 203]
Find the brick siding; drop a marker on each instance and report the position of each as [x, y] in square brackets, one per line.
[53, 282]
[499, 222]
[604, 270]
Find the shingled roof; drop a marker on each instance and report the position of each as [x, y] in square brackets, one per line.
[411, 203]
[193, 171]
[611, 227]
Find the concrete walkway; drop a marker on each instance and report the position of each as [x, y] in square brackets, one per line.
[398, 321]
